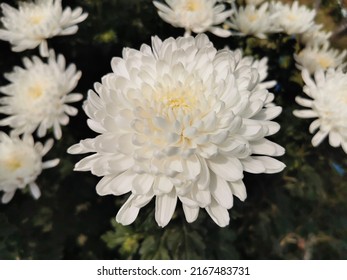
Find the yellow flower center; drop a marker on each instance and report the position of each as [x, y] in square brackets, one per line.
[252, 17]
[13, 163]
[178, 99]
[291, 17]
[36, 19]
[35, 91]
[192, 5]
[324, 62]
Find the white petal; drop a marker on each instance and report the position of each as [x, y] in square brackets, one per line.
[165, 207]
[239, 190]
[35, 191]
[221, 192]
[319, 137]
[218, 214]
[230, 169]
[271, 165]
[305, 114]
[190, 213]
[142, 184]
[7, 196]
[128, 213]
[334, 138]
[50, 163]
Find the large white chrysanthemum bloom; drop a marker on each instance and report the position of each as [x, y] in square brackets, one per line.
[21, 163]
[195, 15]
[293, 19]
[252, 20]
[179, 121]
[327, 103]
[314, 57]
[38, 96]
[33, 22]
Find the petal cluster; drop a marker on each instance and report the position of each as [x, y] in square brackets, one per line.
[179, 121]
[327, 103]
[33, 22]
[38, 96]
[195, 15]
[21, 163]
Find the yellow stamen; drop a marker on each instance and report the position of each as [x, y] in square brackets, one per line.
[35, 91]
[252, 17]
[36, 19]
[13, 163]
[324, 62]
[192, 5]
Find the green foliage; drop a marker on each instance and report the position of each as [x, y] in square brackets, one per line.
[298, 214]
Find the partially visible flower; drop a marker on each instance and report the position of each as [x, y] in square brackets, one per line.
[293, 19]
[314, 57]
[252, 20]
[254, 2]
[179, 121]
[33, 22]
[260, 65]
[327, 102]
[315, 36]
[38, 94]
[195, 15]
[21, 163]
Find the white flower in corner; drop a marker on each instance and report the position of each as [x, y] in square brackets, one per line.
[178, 121]
[38, 94]
[314, 57]
[252, 20]
[293, 19]
[195, 15]
[21, 163]
[33, 22]
[327, 102]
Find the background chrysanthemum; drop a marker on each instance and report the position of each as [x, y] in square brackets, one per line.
[33, 22]
[195, 15]
[38, 96]
[179, 121]
[253, 20]
[21, 163]
[314, 57]
[327, 103]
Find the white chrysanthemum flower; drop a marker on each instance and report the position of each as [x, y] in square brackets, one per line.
[195, 15]
[315, 36]
[180, 120]
[21, 163]
[33, 22]
[314, 57]
[38, 95]
[293, 19]
[327, 103]
[252, 20]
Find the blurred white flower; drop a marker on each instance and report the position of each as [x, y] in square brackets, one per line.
[252, 20]
[33, 22]
[195, 15]
[293, 19]
[38, 94]
[314, 57]
[315, 36]
[181, 121]
[327, 102]
[21, 163]
[254, 2]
